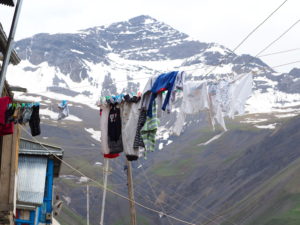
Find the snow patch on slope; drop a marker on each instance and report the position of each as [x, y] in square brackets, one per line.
[94, 133]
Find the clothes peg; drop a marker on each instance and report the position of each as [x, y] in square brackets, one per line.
[64, 102]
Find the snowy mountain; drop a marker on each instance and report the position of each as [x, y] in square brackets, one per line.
[119, 57]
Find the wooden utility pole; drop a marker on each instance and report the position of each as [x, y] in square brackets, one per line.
[87, 204]
[131, 194]
[105, 173]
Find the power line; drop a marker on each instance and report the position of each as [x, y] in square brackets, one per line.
[286, 64]
[277, 39]
[252, 32]
[259, 25]
[280, 52]
[154, 194]
[202, 215]
[108, 189]
[148, 200]
[184, 70]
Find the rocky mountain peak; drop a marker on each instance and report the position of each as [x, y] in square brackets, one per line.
[295, 72]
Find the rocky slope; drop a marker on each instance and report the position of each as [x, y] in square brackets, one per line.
[193, 173]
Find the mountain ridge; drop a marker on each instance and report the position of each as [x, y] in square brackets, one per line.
[80, 67]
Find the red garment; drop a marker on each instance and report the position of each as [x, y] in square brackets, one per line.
[161, 90]
[5, 129]
[3, 107]
[111, 156]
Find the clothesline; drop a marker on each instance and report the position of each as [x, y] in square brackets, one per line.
[144, 78]
[108, 189]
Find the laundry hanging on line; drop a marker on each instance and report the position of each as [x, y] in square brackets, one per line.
[140, 119]
[138, 131]
[118, 118]
[21, 113]
[63, 110]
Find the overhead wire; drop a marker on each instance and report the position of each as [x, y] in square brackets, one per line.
[250, 195]
[188, 207]
[240, 45]
[148, 200]
[263, 50]
[285, 64]
[243, 41]
[143, 196]
[280, 52]
[169, 206]
[149, 77]
[278, 38]
[155, 196]
[259, 25]
[201, 214]
[248, 36]
[108, 189]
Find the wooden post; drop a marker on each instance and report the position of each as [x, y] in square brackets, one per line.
[87, 204]
[131, 194]
[105, 173]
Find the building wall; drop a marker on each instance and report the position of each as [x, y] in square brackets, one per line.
[8, 176]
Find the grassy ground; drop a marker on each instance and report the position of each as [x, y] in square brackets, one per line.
[140, 220]
[68, 217]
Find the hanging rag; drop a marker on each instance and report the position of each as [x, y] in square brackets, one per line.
[6, 127]
[241, 90]
[63, 110]
[104, 112]
[114, 130]
[216, 112]
[34, 121]
[149, 130]
[138, 141]
[3, 108]
[164, 82]
[130, 116]
[146, 96]
[26, 114]
[178, 86]
[195, 99]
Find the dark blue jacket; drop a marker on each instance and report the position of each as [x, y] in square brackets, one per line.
[164, 81]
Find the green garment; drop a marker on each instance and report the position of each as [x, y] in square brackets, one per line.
[148, 132]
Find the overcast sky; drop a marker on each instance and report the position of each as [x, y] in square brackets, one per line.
[225, 22]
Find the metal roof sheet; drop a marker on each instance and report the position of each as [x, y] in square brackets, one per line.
[31, 179]
[31, 147]
[8, 2]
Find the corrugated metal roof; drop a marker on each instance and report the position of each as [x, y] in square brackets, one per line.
[8, 2]
[31, 179]
[31, 147]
